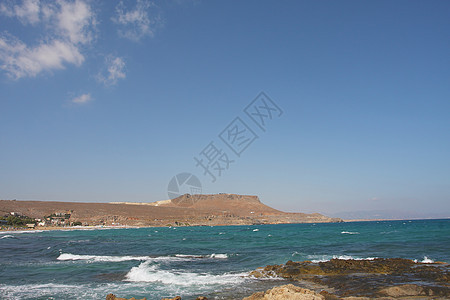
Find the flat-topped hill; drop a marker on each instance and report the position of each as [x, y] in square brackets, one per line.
[238, 204]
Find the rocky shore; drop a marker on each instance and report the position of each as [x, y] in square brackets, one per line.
[366, 279]
[380, 278]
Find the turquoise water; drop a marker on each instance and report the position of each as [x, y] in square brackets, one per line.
[191, 261]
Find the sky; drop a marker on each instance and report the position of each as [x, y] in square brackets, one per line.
[335, 107]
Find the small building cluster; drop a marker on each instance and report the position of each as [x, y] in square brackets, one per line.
[56, 219]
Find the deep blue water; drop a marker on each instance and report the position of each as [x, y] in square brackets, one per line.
[190, 261]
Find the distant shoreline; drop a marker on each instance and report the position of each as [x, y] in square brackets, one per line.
[105, 227]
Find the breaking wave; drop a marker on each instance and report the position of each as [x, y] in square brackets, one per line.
[214, 255]
[425, 260]
[324, 258]
[349, 232]
[68, 256]
[6, 236]
[148, 272]
[105, 258]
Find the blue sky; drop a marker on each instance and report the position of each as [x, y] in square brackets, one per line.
[107, 101]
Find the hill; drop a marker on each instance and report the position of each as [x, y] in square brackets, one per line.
[220, 209]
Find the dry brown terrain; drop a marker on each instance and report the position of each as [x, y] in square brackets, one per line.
[221, 209]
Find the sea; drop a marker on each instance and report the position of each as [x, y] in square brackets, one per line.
[214, 262]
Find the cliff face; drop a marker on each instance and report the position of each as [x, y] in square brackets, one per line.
[188, 200]
[236, 204]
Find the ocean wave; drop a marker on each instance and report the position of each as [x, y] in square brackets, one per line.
[65, 291]
[7, 236]
[324, 258]
[214, 255]
[106, 258]
[349, 232]
[37, 290]
[425, 260]
[148, 272]
[22, 231]
[69, 256]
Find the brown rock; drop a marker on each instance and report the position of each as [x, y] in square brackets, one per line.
[403, 290]
[113, 297]
[329, 296]
[176, 298]
[286, 292]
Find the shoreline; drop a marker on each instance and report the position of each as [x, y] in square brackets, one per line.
[105, 227]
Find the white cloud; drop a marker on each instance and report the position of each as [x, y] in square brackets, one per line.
[82, 99]
[19, 61]
[70, 26]
[75, 20]
[136, 23]
[27, 12]
[113, 71]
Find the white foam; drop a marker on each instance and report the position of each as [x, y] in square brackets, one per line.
[22, 231]
[349, 232]
[255, 229]
[214, 255]
[146, 272]
[426, 260]
[65, 291]
[324, 258]
[189, 256]
[105, 258]
[69, 256]
[6, 236]
[220, 256]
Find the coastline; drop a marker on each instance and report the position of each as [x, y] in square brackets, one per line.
[104, 227]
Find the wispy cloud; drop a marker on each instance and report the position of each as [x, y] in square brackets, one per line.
[70, 25]
[137, 23]
[27, 12]
[113, 71]
[82, 99]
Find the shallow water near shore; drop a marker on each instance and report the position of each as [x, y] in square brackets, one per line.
[192, 261]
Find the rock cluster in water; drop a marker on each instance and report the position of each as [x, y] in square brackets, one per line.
[377, 278]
